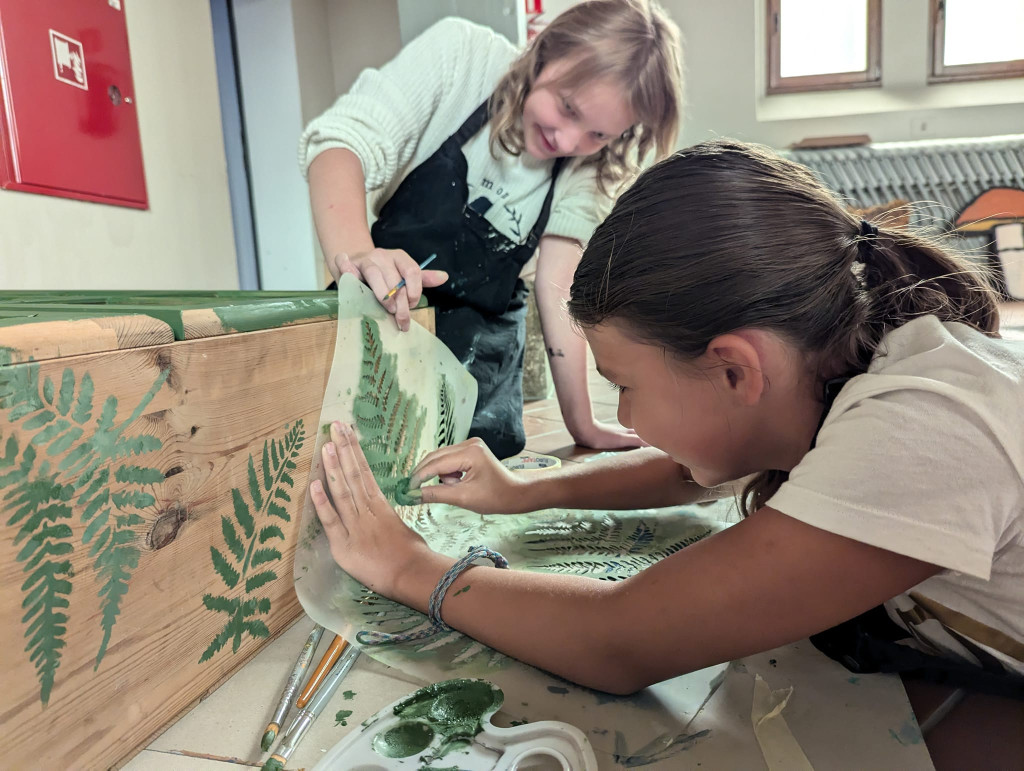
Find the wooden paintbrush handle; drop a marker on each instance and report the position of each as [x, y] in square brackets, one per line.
[332, 655]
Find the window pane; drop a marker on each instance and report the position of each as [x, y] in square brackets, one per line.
[816, 37]
[980, 31]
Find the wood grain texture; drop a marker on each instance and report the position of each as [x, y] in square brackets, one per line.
[218, 402]
[46, 338]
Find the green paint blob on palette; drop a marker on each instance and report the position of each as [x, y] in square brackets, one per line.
[450, 722]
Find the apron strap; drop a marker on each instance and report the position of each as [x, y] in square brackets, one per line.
[470, 127]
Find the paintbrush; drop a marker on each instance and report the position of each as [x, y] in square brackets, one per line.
[291, 687]
[304, 719]
[401, 283]
[333, 653]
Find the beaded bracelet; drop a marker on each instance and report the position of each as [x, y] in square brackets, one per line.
[366, 637]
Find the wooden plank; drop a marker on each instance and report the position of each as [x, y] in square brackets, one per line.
[181, 436]
[195, 316]
[48, 336]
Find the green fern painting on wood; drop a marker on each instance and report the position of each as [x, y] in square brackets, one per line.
[250, 556]
[57, 422]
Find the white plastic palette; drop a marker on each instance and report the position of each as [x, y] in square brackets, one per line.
[447, 727]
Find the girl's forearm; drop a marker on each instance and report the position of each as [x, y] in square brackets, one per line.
[637, 479]
[338, 198]
[560, 622]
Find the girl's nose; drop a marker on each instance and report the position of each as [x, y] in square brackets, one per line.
[568, 140]
[623, 414]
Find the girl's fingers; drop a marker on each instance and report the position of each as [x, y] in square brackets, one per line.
[333, 526]
[342, 495]
[432, 278]
[381, 282]
[401, 311]
[418, 477]
[411, 273]
[344, 265]
[346, 445]
[358, 458]
[449, 464]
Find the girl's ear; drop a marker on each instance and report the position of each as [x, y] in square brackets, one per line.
[734, 365]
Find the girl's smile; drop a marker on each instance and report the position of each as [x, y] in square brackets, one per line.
[561, 123]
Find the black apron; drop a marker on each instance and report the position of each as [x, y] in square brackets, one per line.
[481, 309]
[870, 642]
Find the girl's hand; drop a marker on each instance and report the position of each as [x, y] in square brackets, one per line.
[471, 478]
[381, 270]
[604, 436]
[367, 538]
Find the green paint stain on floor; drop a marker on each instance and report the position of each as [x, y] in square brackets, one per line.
[349, 695]
[342, 716]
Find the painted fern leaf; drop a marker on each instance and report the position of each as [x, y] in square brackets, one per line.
[249, 551]
[594, 537]
[58, 418]
[41, 511]
[389, 420]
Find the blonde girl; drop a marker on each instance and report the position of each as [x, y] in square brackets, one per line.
[483, 155]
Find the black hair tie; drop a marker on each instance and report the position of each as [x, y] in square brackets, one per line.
[868, 234]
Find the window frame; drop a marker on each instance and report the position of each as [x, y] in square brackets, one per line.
[870, 77]
[938, 72]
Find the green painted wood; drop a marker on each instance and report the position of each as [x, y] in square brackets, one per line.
[238, 311]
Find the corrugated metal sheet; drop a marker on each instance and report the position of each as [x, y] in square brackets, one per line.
[941, 176]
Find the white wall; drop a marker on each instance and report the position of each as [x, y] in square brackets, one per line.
[724, 53]
[268, 70]
[507, 17]
[362, 34]
[184, 240]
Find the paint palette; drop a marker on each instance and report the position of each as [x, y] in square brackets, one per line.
[447, 725]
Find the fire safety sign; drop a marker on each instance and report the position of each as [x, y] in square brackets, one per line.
[68, 60]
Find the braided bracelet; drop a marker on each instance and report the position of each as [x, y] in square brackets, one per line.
[366, 637]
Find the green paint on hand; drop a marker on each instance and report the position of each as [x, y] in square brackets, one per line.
[342, 716]
[404, 496]
[348, 695]
[453, 711]
[463, 590]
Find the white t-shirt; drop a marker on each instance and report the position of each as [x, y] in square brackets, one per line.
[396, 117]
[924, 456]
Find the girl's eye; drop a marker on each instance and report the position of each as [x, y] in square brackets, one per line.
[568, 107]
[599, 136]
[617, 387]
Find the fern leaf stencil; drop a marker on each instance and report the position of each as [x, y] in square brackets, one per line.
[249, 557]
[390, 421]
